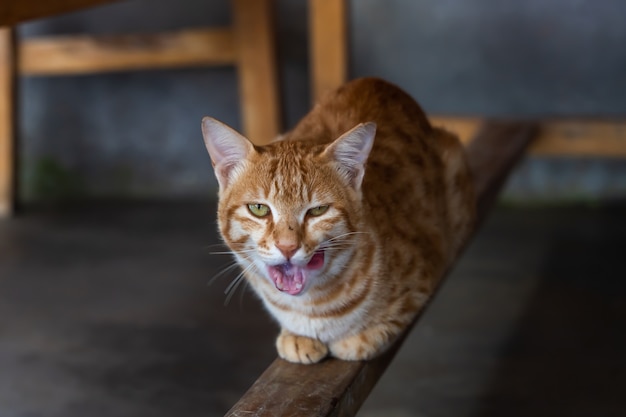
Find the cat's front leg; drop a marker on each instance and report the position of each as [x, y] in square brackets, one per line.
[300, 349]
[365, 345]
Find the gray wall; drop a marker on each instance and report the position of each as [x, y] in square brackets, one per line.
[137, 134]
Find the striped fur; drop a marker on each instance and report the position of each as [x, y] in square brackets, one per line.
[385, 238]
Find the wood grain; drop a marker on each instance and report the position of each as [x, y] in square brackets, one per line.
[566, 137]
[8, 130]
[258, 80]
[16, 11]
[84, 54]
[328, 38]
[582, 137]
[338, 388]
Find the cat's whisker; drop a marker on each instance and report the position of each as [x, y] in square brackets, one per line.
[216, 245]
[232, 287]
[337, 245]
[244, 251]
[338, 242]
[226, 247]
[241, 294]
[344, 235]
[227, 269]
[334, 250]
[233, 252]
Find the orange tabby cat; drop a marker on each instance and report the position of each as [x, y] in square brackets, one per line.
[344, 224]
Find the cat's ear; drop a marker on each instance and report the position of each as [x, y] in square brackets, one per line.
[227, 148]
[350, 152]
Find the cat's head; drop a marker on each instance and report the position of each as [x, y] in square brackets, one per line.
[290, 209]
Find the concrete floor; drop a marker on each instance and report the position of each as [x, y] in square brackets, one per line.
[106, 311]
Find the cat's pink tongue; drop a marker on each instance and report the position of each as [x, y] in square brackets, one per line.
[287, 278]
[290, 278]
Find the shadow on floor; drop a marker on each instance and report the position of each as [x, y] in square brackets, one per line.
[566, 356]
[530, 323]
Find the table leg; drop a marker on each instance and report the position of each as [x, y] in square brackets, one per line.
[328, 37]
[256, 56]
[8, 128]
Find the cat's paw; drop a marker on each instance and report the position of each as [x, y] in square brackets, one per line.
[362, 346]
[300, 349]
[352, 349]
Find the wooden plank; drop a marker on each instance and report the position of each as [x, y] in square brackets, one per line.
[581, 137]
[8, 130]
[328, 38]
[84, 54]
[338, 388]
[258, 80]
[596, 138]
[464, 127]
[492, 154]
[16, 11]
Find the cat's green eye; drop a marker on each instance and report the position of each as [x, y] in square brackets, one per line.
[259, 210]
[317, 211]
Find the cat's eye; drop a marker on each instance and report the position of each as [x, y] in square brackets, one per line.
[259, 210]
[317, 211]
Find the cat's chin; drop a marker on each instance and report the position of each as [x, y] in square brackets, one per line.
[292, 279]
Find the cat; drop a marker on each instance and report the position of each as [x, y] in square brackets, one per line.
[343, 225]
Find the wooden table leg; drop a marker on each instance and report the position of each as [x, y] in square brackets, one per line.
[8, 131]
[254, 37]
[328, 37]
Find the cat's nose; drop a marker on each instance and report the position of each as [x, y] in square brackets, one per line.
[287, 248]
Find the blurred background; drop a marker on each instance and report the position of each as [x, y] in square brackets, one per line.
[105, 304]
[136, 134]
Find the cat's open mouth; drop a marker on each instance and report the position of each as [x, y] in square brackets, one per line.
[291, 278]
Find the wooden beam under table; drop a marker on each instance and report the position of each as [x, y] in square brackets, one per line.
[338, 388]
[8, 130]
[16, 11]
[566, 137]
[86, 54]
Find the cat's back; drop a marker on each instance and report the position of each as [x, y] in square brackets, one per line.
[405, 144]
[359, 101]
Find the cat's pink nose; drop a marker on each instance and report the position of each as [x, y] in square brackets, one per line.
[288, 249]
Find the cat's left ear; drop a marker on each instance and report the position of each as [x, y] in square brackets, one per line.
[351, 150]
[227, 148]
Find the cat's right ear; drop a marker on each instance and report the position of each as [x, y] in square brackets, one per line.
[351, 151]
[227, 148]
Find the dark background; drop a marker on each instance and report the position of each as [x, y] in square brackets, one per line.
[136, 134]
